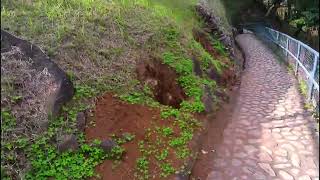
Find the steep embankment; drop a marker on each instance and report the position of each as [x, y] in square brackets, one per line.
[145, 75]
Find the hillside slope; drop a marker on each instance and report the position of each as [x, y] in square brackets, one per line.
[145, 74]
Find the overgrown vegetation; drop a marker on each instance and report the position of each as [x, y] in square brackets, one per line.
[97, 43]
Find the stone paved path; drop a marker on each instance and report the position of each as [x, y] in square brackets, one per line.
[270, 135]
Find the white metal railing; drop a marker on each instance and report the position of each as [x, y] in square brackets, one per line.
[305, 57]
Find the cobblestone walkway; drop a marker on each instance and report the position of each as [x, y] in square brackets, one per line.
[270, 135]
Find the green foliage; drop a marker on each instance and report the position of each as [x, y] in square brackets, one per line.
[169, 112]
[171, 34]
[183, 152]
[181, 65]
[167, 131]
[192, 85]
[303, 88]
[143, 167]
[162, 155]
[133, 98]
[8, 121]
[128, 137]
[84, 91]
[196, 106]
[166, 169]
[48, 162]
[219, 47]
[116, 153]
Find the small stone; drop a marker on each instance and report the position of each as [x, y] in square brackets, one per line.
[292, 138]
[282, 166]
[236, 162]
[281, 152]
[295, 160]
[269, 151]
[254, 141]
[264, 157]
[81, 121]
[295, 171]
[285, 175]
[254, 132]
[312, 172]
[218, 162]
[107, 145]
[277, 130]
[239, 141]
[250, 149]
[204, 152]
[305, 177]
[304, 152]
[214, 175]
[288, 147]
[240, 155]
[248, 170]
[267, 168]
[251, 162]
[245, 122]
[259, 176]
[298, 145]
[280, 159]
[276, 135]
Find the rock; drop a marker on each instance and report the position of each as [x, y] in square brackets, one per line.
[40, 61]
[68, 142]
[204, 152]
[281, 152]
[236, 162]
[305, 177]
[285, 175]
[181, 176]
[267, 168]
[282, 166]
[107, 145]
[81, 121]
[214, 175]
[197, 67]
[295, 160]
[264, 157]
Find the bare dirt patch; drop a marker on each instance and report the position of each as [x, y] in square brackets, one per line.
[212, 137]
[113, 116]
[162, 79]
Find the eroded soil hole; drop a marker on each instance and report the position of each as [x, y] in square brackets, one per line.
[162, 80]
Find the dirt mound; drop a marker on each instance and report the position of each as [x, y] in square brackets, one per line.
[113, 116]
[163, 82]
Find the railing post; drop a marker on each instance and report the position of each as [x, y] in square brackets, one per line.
[277, 36]
[298, 59]
[313, 73]
[287, 46]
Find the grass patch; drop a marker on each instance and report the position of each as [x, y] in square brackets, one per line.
[303, 87]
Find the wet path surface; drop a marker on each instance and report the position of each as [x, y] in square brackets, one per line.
[270, 135]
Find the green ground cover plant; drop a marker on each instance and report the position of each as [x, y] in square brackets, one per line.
[98, 43]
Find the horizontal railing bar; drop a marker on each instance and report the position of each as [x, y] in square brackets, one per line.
[309, 76]
[297, 41]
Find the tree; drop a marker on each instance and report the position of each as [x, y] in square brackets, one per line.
[275, 5]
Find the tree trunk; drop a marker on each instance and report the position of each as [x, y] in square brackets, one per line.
[289, 9]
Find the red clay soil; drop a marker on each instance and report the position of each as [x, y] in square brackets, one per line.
[113, 116]
[162, 79]
[213, 136]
